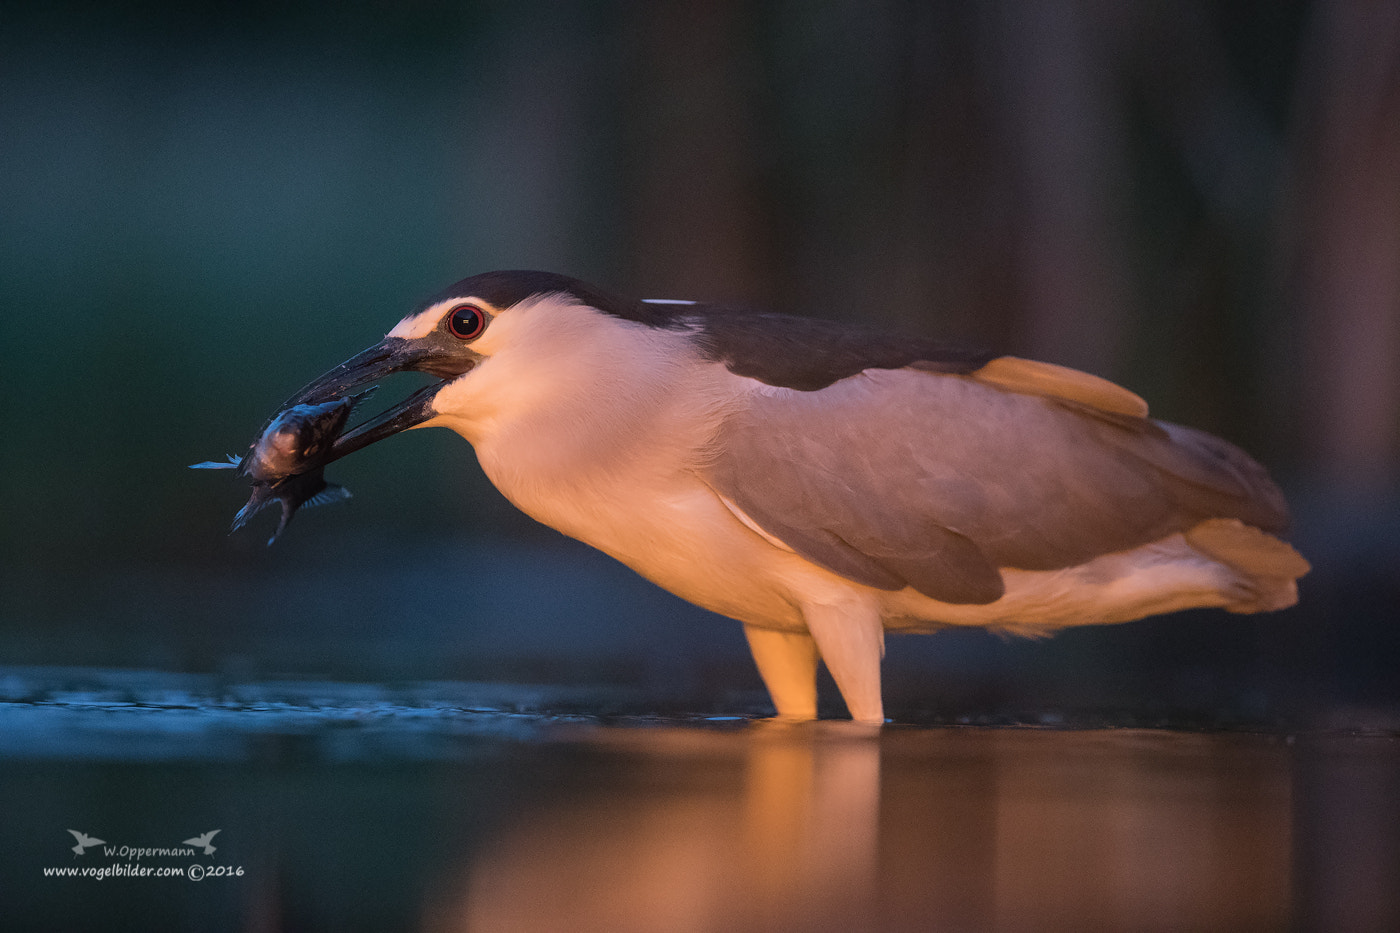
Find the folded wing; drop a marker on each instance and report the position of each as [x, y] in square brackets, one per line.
[906, 477]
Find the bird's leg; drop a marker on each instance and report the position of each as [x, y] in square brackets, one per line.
[851, 640]
[787, 662]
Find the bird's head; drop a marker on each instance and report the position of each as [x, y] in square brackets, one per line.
[453, 333]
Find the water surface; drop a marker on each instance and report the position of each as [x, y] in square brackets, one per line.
[452, 806]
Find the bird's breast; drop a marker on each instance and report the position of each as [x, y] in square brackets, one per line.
[652, 512]
[616, 464]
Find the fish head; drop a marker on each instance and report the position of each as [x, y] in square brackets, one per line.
[297, 440]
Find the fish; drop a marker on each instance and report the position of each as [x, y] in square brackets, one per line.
[287, 461]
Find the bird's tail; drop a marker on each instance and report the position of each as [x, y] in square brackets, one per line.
[1268, 568]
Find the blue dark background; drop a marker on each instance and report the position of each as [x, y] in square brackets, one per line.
[207, 204]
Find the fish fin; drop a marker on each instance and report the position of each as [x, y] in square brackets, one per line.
[232, 463]
[288, 510]
[260, 499]
[332, 493]
[361, 396]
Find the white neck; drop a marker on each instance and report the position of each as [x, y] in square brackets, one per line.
[568, 397]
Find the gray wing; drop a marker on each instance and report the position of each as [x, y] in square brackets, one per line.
[935, 481]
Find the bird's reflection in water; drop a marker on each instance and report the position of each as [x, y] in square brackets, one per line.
[830, 826]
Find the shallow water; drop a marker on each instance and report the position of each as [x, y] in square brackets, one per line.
[456, 806]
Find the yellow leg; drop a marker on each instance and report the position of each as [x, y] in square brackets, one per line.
[787, 662]
[851, 640]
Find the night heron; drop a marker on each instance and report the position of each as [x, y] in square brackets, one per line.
[823, 483]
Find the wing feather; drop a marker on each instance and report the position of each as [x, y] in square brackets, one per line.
[1036, 378]
[908, 477]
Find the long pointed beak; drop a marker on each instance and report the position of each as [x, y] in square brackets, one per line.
[389, 356]
[409, 413]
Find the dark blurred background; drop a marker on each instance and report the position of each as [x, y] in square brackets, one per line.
[204, 205]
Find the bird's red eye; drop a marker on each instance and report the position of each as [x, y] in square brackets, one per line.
[467, 322]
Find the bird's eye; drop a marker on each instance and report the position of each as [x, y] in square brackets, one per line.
[466, 322]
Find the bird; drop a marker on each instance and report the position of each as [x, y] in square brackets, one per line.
[85, 841]
[825, 483]
[203, 841]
